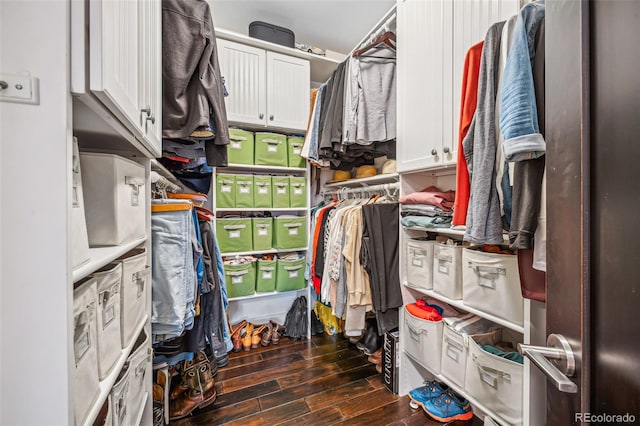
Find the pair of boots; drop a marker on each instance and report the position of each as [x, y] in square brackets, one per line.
[196, 389]
[247, 336]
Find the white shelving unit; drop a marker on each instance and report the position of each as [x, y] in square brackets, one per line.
[262, 209]
[445, 231]
[258, 168]
[378, 179]
[100, 256]
[262, 295]
[270, 251]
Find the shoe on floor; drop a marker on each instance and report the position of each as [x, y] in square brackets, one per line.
[429, 391]
[448, 407]
[376, 357]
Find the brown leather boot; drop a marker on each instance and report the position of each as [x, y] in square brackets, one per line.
[189, 401]
[376, 357]
[196, 390]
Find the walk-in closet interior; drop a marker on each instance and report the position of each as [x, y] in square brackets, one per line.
[410, 212]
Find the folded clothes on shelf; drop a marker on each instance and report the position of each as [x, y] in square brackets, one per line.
[426, 221]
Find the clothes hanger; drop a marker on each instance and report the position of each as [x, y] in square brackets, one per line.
[388, 40]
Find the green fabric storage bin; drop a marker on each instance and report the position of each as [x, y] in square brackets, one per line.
[225, 191]
[262, 191]
[262, 233]
[244, 191]
[280, 192]
[266, 276]
[270, 149]
[297, 191]
[294, 148]
[240, 279]
[234, 235]
[289, 232]
[241, 147]
[290, 275]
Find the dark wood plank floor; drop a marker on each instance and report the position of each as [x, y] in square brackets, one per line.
[322, 381]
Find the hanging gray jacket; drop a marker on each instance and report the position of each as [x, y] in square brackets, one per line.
[484, 222]
[192, 85]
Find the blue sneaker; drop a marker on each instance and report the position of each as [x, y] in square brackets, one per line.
[448, 407]
[429, 391]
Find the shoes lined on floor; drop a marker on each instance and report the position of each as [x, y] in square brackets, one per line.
[440, 402]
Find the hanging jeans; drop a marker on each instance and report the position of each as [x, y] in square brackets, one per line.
[173, 274]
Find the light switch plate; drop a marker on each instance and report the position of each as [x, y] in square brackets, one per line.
[19, 88]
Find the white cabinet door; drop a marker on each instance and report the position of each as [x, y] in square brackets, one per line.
[244, 70]
[425, 82]
[288, 82]
[114, 61]
[150, 119]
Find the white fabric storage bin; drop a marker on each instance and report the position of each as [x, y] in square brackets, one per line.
[115, 201]
[133, 292]
[108, 281]
[423, 340]
[79, 237]
[139, 363]
[419, 263]
[491, 283]
[85, 348]
[447, 270]
[119, 399]
[495, 382]
[455, 348]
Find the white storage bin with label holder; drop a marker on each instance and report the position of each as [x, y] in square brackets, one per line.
[115, 201]
[139, 366]
[496, 382]
[79, 237]
[491, 283]
[447, 270]
[109, 280]
[419, 263]
[455, 348]
[135, 281]
[85, 347]
[423, 340]
[119, 399]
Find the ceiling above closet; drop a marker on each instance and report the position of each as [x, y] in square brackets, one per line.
[336, 25]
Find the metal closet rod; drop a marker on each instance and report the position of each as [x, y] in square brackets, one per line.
[380, 27]
[384, 187]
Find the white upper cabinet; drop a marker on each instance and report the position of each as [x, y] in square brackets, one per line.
[114, 74]
[150, 119]
[244, 71]
[424, 33]
[265, 88]
[433, 39]
[287, 91]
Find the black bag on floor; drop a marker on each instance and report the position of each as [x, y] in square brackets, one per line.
[295, 323]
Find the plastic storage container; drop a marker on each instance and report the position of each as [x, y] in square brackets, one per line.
[85, 348]
[290, 274]
[244, 191]
[294, 148]
[280, 192]
[423, 340]
[491, 283]
[241, 147]
[272, 33]
[115, 200]
[135, 282]
[495, 382]
[262, 191]
[447, 270]
[139, 372]
[271, 149]
[241, 279]
[289, 232]
[262, 233]
[109, 280]
[419, 263]
[266, 276]
[298, 192]
[225, 191]
[79, 237]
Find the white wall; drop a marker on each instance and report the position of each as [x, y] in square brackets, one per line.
[34, 154]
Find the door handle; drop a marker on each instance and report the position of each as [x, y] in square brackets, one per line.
[560, 351]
